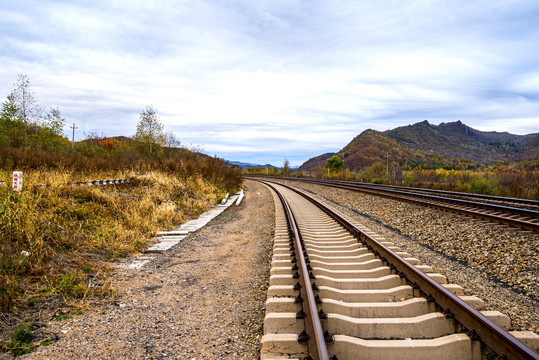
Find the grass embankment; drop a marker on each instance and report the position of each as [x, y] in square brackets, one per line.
[56, 242]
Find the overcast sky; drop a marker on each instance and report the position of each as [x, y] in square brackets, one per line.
[264, 81]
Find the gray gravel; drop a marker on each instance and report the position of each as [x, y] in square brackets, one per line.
[493, 262]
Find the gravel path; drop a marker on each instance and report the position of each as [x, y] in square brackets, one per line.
[204, 299]
[493, 262]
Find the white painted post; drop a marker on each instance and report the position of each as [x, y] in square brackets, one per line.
[240, 198]
[17, 181]
[225, 199]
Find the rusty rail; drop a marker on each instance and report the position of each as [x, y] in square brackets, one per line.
[315, 335]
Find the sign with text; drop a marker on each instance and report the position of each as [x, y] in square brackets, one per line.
[17, 180]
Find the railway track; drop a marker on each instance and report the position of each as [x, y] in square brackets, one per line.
[339, 291]
[524, 214]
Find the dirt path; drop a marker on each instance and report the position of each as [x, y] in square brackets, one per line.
[204, 299]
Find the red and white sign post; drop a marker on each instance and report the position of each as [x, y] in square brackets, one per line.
[17, 180]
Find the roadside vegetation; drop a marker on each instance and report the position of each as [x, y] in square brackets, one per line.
[499, 179]
[57, 240]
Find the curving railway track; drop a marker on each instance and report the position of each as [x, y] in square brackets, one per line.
[339, 291]
[521, 213]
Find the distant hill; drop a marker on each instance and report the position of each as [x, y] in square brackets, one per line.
[431, 145]
[316, 161]
[245, 165]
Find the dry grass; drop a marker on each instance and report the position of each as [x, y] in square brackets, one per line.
[57, 240]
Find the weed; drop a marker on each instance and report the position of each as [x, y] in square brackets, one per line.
[22, 334]
[46, 342]
[61, 317]
[70, 287]
[21, 340]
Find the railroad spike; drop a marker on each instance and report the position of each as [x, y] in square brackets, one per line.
[334, 357]
[317, 299]
[296, 275]
[328, 337]
[303, 337]
[472, 334]
[314, 287]
[301, 314]
[297, 286]
[448, 314]
[322, 315]
[309, 267]
[298, 299]
[294, 260]
[429, 298]
[311, 276]
[295, 267]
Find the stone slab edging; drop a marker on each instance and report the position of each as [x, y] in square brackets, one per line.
[167, 239]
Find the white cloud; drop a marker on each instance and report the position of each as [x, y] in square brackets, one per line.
[289, 78]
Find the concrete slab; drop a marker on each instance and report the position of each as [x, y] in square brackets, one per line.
[173, 232]
[167, 239]
[165, 244]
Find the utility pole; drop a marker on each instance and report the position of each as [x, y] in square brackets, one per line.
[73, 137]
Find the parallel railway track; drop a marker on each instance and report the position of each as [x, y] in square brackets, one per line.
[339, 291]
[522, 214]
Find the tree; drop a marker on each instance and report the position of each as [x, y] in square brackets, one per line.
[334, 164]
[54, 122]
[28, 110]
[149, 135]
[11, 126]
[286, 167]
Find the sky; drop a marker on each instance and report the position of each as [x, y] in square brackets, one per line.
[262, 81]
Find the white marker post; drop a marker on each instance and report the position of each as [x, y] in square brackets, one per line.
[17, 181]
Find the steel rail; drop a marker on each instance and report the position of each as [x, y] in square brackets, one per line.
[516, 210]
[480, 327]
[409, 188]
[408, 196]
[434, 191]
[313, 327]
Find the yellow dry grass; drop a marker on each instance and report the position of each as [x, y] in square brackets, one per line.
[52, 238]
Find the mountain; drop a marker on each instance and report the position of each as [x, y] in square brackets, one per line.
[316, 161]
[433, 146]
[245, 165]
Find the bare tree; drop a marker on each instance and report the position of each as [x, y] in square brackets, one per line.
[28, 109]
[171, 140]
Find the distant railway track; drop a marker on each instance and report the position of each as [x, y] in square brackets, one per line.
[523, 213]
[339, 291]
